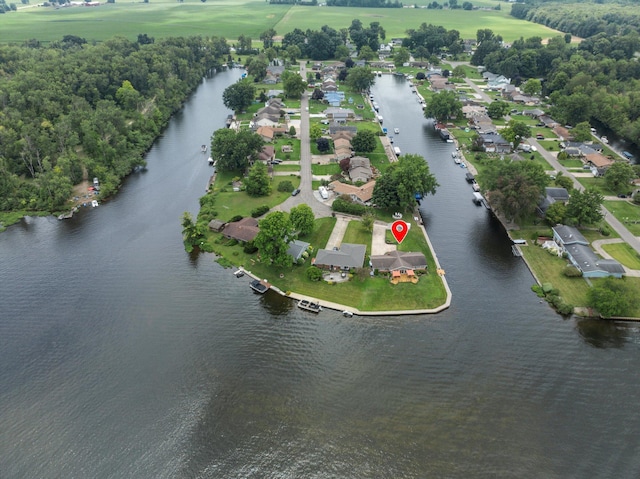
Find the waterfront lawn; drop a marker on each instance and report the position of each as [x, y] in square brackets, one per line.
[230, 203]
[321, 232]
[623, 253]
[549, 269]
[626, 212]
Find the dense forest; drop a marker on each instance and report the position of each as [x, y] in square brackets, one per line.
[72, 110]
[582, 19]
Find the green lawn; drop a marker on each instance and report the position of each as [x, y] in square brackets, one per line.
[291, 168]
[295, 145]
[626, 212]
[548, 269]
[330, 169]
[358, 234]
[597, 184]
[624, 253]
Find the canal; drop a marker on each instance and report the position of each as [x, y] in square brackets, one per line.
[122, 356]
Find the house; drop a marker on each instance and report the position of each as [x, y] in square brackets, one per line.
[551, 196]
[266, 132]
[296, 248]
[267, 154]
[329, 85]
[275, 71]
[274, 93]
[534, 113]
[563, 133]
[359, 194]
[360, 169]
[216, 225]
[548, 121]
[438, 82]
[571, 242]
[334, 98]
[494, 143]
[337, 128]
[346, 257]
[340, 115]
[598, 160]
[244, 230]
[399, 260]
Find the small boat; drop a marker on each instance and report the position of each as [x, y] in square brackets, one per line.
[396, 131]
[454, 154]
[94, 203]
[604, 140]
[347, 314]
[457, 160]
[309, 306]
[239, 273]
[259, 287]
[203, 148]
[210, 161]
[475, 186]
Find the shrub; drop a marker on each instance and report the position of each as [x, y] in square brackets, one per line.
[343, 206]
[314, 273]
[249, 247]
[572, 272]
[604, 230]
[285, 186]
[235, 218]
[259, 211]
[232, 242]
[538, 290]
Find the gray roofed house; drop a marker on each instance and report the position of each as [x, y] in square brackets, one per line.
[399, 260]
[494, 143]
[360, 169]
[336, 127]
[348, 256]
[216, 225]
[552, 195]
[296, 248]
[582, 256]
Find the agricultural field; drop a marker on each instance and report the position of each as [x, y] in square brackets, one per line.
[231, 18]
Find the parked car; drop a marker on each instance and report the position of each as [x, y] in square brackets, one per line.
[295, 192]
[539, 136]
[622, 195]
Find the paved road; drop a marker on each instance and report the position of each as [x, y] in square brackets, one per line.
[306, 195]
[479, 91]
[624, 233]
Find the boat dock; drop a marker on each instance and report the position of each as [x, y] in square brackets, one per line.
[309, 306]
[259, 286]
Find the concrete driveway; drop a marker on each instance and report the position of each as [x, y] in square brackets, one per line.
[378, 242]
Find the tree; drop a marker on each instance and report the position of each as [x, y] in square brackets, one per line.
[293, 53]
[315, 131]
[460, 72]
[323, 144]
[515, 187]
[585, 207]
[267, 37]
[421, 52]
[360, 78]
[498, 109]
[364, 141]
[401, 57]
[233, 149]
[192, 233]
[257, 67]
[582, 131]
[516, 132]
[618, 176]
[564, 182]
[302, 219]
[239, 96]
[276, 232]
[397, 187]
[368, 220]
[293, 84]
[556, 213]
[443, 106]
[317, 94]
[366, 53]
[257, 182]
[532, 86]
[611, 297]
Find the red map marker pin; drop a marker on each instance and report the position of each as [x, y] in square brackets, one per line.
[399, 229]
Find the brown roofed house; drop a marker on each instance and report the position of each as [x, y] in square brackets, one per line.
[359, 194]
[244, 230]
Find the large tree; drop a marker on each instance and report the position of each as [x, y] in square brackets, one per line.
[293, 84]
[611, 297]
[276, 232]
[360, 78]
[516, 132]
[239, 96]
[257, 182]
[585, 207]
[364, 141]
[515, 187]
[401, 57]
[302, 219]
[443, 106]
[618, 176]
[397, 187]
[233, 150]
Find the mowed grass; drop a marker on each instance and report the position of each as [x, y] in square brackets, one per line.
[627, 213]
[231, 18]
[549, 269]
[624, 253]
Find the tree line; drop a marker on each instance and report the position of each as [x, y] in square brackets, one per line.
[72, 110]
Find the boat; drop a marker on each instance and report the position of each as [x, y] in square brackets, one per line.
[604, 140]
[210, 160]
[259, 287]
[477, 198]
[203, 148]
[309, 306]
[470, 178]
[475, 186]
[94, 203]
[396, 131]
[239, 273]
[396, 150]
[457, 160]
[347, 314]
[454, 154]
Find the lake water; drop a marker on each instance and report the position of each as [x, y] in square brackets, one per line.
[122, 356]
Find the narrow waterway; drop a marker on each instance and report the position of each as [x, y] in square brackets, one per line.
[122, 356]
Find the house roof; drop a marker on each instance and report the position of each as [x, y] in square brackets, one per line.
[296, 248]
[395, 260]
[598, 160]
[363, 193]
[569, 235]
[348, 256]
[216, 225]
[265, 132]
[244, 230]
[268, 152]
[588, 262]
[558, 194]
[335, 128]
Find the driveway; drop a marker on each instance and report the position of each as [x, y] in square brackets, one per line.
[335, 240]
[378, 242]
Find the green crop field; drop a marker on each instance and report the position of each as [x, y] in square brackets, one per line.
[231, 18]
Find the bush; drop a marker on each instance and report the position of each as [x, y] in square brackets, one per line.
[259, 211]
[249, 247]
[572, 272]
[538, 290]
[232, 242]
[343, 206]
[604, 230]
[285, 186]
[314, 273]
[235, 218]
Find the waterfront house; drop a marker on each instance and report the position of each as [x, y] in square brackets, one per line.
[296, 248]
[346, 257]
[359, 194]
[552, 195]
[244, 230]
[494, 143]
[576, 247]
[360, 169]
[399, 260]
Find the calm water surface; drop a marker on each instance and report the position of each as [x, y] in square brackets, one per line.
[121, 356]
